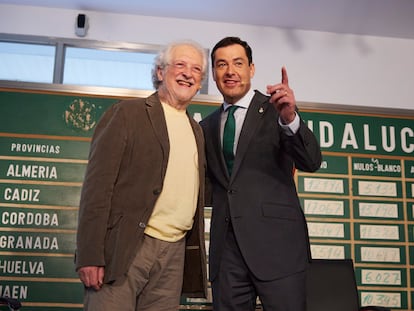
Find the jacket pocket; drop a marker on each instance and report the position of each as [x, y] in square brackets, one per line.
[279, 211]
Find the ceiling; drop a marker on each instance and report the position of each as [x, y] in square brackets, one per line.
[387, 18]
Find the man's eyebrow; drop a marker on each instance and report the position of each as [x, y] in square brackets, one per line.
[234, 59]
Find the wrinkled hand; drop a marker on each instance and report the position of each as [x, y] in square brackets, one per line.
[92, 276]
[283, 98]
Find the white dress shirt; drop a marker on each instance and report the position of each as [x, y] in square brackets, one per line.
[240, 114]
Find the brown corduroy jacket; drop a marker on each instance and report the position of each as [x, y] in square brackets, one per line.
[124, 178]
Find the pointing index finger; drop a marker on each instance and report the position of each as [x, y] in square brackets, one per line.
[285, 79]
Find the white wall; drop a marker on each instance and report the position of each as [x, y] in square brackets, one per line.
[323, 67]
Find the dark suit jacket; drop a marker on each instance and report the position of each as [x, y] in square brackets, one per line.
[124, 178]
[260, 198]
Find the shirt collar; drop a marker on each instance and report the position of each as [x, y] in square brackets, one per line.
[244, 102]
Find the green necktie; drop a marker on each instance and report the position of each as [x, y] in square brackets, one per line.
[228, 138]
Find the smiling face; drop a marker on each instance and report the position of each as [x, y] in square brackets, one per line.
[232, 72]
[181, 77]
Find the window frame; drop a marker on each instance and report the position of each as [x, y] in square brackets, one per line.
[61, 44]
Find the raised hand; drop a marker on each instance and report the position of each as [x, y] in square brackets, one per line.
[283, 98]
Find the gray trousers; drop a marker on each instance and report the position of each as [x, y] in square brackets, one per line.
[153, 282]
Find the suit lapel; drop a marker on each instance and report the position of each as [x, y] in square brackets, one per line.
[255, 113]
[216, 141]
[159, 125]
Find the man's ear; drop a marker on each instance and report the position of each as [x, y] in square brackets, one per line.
[213, 74]
[160, 73]
[252, 70]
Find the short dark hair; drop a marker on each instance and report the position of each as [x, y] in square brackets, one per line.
[227, 41]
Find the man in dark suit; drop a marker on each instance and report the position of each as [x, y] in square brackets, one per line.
[140, 239]
[259, 245]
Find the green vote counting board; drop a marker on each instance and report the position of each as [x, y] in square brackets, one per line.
[359, 204]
